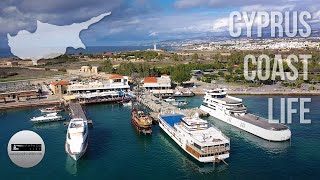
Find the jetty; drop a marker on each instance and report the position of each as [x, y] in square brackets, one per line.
[77, 111]
[157, 105]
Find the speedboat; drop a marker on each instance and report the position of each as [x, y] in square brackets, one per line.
[179, 103]
[48, 118]
[169, 99]
[77, 138]
[127, 104]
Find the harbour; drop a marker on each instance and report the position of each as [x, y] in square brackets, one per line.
[113, 130]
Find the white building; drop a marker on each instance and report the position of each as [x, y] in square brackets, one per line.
[114, 83]
[157, 83]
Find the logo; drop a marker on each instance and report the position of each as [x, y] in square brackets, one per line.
[26, 149]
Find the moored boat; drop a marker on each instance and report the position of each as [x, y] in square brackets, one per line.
[179, 103]
[51, 109]
[195, 136]
[77, 138]
[231, 110]
[141, 121]
[47, 118]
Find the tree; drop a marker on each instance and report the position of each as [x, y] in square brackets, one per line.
[175, 57]
[180, 76]
[107, 66]
[195, 56]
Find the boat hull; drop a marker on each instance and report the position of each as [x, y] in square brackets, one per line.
[270, 135]
[76, 156]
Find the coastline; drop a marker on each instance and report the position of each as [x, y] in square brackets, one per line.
[28, 104]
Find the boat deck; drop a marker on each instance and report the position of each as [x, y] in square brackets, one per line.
[78, 112]
[261, 122]
[228, 100]
[172, 119]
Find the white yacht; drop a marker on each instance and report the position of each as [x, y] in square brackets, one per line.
[195, 136]
[77, 138]
[232, 111]
[47, 118]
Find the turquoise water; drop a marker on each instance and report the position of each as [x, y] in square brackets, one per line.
[116, 151]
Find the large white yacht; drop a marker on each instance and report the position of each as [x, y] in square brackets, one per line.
[231, 110]
[196, 137]
[77, 138]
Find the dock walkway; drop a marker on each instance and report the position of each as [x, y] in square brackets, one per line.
[78, 112]
[157, 105]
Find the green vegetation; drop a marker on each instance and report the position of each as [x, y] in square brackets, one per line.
[145, 55]
[106, 66]
[143, 69]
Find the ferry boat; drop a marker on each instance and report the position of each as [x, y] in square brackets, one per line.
[47, 118]
[232, 111]
[141, 121]
[77, 138]
[51, 109]
[194, 135]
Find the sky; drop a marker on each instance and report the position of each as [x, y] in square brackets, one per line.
[138, 21]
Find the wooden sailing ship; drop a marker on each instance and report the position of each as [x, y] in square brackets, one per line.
[141, 121]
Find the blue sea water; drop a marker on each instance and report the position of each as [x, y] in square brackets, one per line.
[117, 151]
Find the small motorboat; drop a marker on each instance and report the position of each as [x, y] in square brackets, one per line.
[51, 109]
[47, 118]
[179, 103]
[127, 104]
[169, 99]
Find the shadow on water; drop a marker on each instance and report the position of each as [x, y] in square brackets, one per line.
[236, 133]
[189, 162]
[71, 165]
[98, 143]
[48, 125]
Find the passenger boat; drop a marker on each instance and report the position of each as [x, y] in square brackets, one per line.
[141, 121]
[231, 110]
[77, 138]
[195, 136]
[51, 109]
[47, 118]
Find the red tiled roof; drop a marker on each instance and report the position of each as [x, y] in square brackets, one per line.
[116, 76]
[61, 82]
[150, 80]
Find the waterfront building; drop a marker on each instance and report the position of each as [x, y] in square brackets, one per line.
[114, 83]
[59, 87]
[157, 83]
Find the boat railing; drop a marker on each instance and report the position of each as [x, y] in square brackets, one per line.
[210, 150]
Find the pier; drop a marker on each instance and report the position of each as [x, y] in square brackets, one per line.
[78, 112]
[157, 105]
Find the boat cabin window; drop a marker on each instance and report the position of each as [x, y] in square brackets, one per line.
[219, 96]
